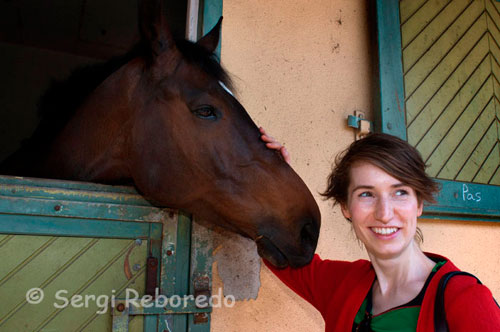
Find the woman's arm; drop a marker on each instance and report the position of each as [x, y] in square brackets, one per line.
[316, 280]
[470, 307]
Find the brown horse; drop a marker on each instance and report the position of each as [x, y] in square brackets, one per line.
[166, 122]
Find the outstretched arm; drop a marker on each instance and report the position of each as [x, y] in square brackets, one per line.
[273, 144]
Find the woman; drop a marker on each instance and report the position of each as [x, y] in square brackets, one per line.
[381, 185]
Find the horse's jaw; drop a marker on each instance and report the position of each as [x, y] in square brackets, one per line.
[265, 241]
[282, 246]
[270, 252]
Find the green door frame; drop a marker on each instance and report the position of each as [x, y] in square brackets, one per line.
[212, 11]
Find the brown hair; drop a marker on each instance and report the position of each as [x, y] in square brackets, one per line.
[390, 153]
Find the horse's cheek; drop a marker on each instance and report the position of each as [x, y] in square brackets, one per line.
[163, 180]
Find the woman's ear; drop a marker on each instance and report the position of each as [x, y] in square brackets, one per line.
[345, 212]
[420, 208]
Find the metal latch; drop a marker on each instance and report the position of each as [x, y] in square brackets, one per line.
[122, 309]
[358, 121]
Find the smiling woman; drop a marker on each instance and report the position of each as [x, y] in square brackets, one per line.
[381, 185]
[391, 155]
[383, 211]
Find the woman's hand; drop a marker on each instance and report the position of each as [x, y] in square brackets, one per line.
[273, 144]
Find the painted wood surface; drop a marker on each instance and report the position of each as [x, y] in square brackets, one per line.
[83, 266]
[92, 240]
[67, 255]
[451, 56]
[391, 112]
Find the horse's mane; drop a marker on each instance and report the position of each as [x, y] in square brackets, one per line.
[207, 61]
[61, 100]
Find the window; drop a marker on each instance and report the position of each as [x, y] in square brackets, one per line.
[439, 67]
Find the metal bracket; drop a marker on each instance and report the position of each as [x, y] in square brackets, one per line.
[120, 314]
[201, 285]
[358, 121]
[151, 276]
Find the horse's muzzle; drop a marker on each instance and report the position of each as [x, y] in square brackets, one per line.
[296, 257]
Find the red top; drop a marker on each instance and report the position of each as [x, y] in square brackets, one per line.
[337, 289]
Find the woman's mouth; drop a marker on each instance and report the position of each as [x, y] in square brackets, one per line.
[385, 231]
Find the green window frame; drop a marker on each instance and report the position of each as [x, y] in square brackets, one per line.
[457, 200]
[212, 11]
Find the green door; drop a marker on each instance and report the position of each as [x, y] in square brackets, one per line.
[72, 253]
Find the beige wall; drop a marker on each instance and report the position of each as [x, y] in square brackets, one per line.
[300, 68]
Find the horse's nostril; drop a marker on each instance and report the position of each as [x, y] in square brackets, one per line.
[309, 234]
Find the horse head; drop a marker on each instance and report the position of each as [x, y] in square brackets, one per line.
[196, 148]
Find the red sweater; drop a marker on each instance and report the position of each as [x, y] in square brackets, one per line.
[338, 288]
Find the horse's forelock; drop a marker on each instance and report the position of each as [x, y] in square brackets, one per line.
[207, 61]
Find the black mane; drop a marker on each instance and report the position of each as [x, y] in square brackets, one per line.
[62, 99]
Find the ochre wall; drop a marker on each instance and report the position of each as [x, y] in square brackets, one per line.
[300, 68]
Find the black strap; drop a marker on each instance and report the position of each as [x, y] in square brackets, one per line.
[440, 324]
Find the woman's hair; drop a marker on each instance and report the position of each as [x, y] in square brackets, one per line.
[390, 153]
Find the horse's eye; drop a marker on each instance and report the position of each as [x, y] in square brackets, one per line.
[206, 112]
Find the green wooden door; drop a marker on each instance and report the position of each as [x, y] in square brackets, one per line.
[439, 79]
[87, 247]
[63, 267]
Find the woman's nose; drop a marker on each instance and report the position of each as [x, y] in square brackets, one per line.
[384, 210]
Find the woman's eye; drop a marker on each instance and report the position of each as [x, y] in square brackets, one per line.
[205, 112]
[401, 192]
[365, 194]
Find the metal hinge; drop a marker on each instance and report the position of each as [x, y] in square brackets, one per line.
[357, 121]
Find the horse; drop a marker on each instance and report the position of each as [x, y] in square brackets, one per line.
[165, 120]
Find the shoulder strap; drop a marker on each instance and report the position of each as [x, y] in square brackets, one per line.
[440, 324]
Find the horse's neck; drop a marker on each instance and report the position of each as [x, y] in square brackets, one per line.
[93, 144]
[98, 156]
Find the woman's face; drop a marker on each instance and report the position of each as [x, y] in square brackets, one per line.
[383, 210]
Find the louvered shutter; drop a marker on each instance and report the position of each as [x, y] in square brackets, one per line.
[439, 89]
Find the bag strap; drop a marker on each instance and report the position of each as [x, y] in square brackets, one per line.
[440, 324]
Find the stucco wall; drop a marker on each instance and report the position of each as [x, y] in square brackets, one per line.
[301, 67]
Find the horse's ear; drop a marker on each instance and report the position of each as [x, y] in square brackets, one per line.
[211, 39]
[153, 26]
